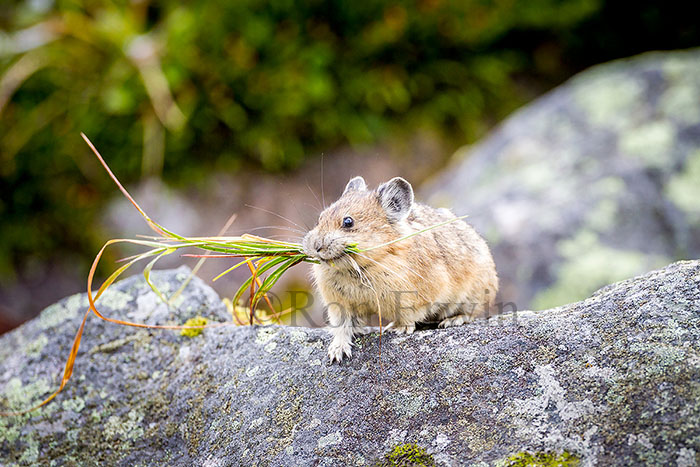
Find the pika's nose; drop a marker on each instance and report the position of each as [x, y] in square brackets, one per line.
[312, 243]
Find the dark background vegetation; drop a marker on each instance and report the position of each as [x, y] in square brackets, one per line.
[182, 90]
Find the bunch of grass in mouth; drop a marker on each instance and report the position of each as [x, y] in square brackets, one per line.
[266, 259]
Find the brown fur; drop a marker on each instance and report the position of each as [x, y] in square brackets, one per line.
[444, 274]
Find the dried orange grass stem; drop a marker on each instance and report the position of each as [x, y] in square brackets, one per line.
[70, 362]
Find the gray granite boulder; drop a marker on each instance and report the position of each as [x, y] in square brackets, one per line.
[614, 379]
[597, 181]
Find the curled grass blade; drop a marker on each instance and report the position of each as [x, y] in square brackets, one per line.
[147, 274]
[253, 282]
[68, 368]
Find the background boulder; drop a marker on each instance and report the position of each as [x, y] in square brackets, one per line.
[597, 181]
[610, 380]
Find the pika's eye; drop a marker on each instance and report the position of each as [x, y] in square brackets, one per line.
[348, 222]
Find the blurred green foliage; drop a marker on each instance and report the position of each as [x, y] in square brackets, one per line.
[178, 89]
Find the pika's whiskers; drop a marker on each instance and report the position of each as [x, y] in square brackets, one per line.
[274, 214]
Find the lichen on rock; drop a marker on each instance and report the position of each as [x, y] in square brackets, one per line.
[407, 455]
[610, 157]
[541, 459]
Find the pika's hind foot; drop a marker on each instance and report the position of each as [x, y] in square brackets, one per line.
[402, 328]
[454, 321]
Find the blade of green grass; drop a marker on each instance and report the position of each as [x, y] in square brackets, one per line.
[260, 270]
[272, 279]
[201, 261]
[413, 234]
[234, 267]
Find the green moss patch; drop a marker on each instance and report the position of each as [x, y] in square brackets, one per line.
[196, 321]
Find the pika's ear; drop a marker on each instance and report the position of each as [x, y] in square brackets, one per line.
[396, 197]
[355, 184]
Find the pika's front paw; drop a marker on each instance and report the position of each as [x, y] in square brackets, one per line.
[402, 328]
[338, 349]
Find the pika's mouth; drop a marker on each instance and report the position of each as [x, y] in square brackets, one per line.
[324, 250]
[324, 257]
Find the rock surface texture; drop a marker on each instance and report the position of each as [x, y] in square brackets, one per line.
[597, 181]
[612, 380]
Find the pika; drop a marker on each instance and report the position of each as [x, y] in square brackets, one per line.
[445, 274]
